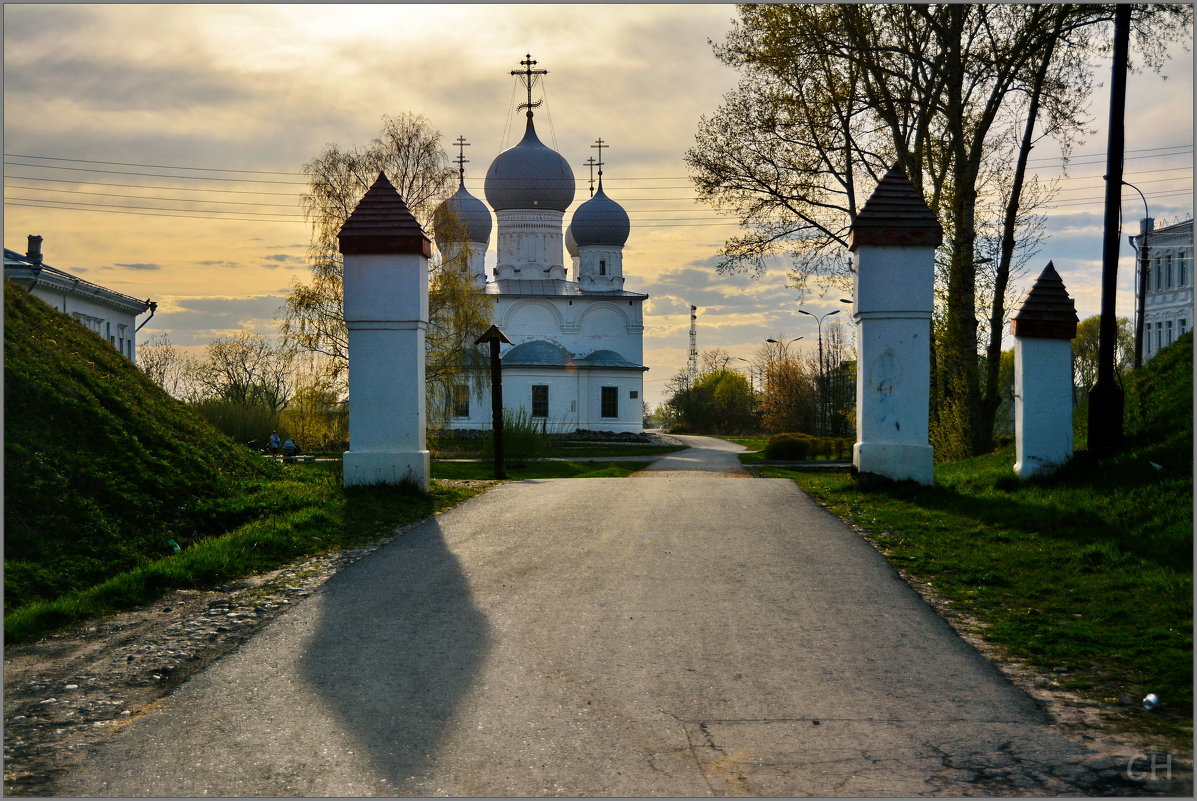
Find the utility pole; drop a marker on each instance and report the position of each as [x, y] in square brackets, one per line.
[1105, 398]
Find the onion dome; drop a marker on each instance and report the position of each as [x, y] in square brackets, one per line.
[571, 244]
[468, 210]
[529, 176]
[600, 221]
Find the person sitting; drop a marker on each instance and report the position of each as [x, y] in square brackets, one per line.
[290, 450]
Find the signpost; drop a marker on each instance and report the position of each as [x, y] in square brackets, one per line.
[495, 337]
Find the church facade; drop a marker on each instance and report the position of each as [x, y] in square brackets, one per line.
[576, 358]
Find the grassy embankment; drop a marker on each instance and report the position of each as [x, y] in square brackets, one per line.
[1085, 575]
[106, 475]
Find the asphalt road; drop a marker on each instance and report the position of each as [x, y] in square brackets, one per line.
[676, 633]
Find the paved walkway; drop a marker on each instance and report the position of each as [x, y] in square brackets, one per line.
[687, 635]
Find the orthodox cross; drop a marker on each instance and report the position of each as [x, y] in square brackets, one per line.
[528, 76]
[590, 162]
[461, 160]
[600, 145]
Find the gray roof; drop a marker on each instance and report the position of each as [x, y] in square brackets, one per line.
[551, 287]
[529, 176]
[541, 353]
[17, 265]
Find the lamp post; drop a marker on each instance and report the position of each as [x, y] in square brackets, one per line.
[1144, 266]
[822, 368]
[751, 386]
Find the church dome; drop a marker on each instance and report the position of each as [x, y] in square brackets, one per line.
[600, 221]
[469, 210]
[571, 244]
[529, 176]
[537, 353]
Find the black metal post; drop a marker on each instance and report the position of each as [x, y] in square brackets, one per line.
[494, 336]
[1105, 398]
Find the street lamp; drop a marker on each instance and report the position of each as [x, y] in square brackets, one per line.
[751, 386]
[822, 368]
[1144, 266]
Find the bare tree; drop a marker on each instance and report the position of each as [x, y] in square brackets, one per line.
[164, 364]
[246, 369]
[409, 152]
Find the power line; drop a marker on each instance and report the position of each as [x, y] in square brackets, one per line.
[155, 166]
[152, 174]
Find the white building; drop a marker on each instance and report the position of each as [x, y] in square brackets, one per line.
[1168, 301]
[577, 355]
[109, 314]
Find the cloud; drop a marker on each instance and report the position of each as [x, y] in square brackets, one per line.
[140, 266]
[198, 320]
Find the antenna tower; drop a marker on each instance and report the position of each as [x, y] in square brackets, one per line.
[692, 364]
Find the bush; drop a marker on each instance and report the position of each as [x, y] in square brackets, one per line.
[242, 422]
[805, 446]
[789, 446]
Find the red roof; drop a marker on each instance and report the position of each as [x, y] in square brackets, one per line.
[382, 223]
[895, 214]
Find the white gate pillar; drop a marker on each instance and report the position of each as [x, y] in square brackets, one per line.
[386, 313]
[1043, 330]
[894, 237]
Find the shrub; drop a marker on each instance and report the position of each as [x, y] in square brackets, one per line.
[789, 446]
[524, 438]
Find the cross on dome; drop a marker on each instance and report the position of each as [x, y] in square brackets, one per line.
[461, 160]
[600, 145]
[590, 162]
[528, 76]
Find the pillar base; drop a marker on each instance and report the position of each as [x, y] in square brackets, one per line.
[896, 461]
[363, 468]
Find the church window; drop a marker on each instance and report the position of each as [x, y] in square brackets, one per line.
[1168, 333]
[1182, 327]
[461, 400]
[610, 404]
[634, 394]
[602, 267]
[540, 400]
[1159, 270]
[1168, 271]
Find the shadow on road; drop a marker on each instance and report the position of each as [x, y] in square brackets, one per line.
[398, 645]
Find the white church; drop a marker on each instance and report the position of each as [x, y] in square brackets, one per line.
[576, 358]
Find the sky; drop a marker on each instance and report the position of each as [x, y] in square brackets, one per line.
[158, 149]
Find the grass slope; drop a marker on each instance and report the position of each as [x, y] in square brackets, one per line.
[103, 467]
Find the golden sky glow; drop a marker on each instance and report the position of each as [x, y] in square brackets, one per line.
[264, 87]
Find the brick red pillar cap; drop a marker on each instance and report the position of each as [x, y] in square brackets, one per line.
[895, 214]
[1047, 312]
[382, 223]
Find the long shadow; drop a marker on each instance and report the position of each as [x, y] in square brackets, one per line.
[399, 643]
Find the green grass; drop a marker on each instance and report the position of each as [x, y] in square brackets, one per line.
[534, 470]
[1085, 575]
[303, 513]
[106, 475]
[751, 443]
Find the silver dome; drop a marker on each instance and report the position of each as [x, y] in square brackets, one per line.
[600, 221]
[529, 176]
[469, 210]
[571, 244]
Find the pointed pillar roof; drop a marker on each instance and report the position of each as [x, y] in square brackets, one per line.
[895, 214]
[1047, 312]
[382, 223]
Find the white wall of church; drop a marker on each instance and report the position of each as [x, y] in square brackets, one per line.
[575, 400]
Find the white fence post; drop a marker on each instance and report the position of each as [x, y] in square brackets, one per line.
[386, 313]
[894, 239]
[1043, 329]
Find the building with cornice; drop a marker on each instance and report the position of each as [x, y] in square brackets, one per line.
[110, 314]
[576, 358]
[1168, 301]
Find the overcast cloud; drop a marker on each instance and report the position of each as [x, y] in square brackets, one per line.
[265, 87]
